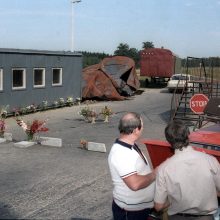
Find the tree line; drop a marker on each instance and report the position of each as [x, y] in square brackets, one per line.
[123, 49]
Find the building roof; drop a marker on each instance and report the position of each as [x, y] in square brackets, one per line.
[38, 52]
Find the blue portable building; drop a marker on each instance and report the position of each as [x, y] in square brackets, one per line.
[32, 76]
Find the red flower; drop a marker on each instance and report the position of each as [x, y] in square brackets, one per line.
[2, 126]
[37, 126]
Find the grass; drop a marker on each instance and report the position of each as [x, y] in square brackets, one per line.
[195, 71]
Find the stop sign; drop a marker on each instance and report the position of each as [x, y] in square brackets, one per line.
[198, 102]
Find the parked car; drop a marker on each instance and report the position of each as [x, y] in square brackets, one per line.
[179, 81]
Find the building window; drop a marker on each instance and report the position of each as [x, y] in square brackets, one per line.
[39, 77]
[19, 79]
[57, 76]
[1, 79]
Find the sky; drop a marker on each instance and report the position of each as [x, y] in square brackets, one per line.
[186, 27]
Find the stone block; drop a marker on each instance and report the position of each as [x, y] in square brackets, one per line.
[93, 146]
[2, 140]
[24, 144]
[50, 141]
[8, 136]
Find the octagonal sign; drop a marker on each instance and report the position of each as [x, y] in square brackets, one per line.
[198, 103]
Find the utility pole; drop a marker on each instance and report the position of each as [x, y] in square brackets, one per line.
[72, 23]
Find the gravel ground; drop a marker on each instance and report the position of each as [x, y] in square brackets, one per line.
[42, 182]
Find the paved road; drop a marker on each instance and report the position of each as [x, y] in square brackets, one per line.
[70, 183]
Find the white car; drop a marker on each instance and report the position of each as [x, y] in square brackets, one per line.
[180, 81]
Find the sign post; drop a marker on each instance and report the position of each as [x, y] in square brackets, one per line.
[198, 103]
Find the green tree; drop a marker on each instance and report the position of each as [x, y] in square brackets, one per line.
[91, 58]
[134, 54]
[147, 44]
[125, 50]
[122, 50]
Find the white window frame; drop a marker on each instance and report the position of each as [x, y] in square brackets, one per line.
[60, 77]
[23, 79]
[1, 79]
[43, 78]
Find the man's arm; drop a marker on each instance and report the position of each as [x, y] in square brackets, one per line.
[136, 182]
[160, 206]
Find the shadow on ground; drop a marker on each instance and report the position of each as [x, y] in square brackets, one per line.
[165, 116]
[6, 212]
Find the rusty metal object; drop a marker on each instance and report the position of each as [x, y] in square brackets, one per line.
[113, 78]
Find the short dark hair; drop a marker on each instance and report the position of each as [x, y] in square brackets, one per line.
[129, 122]
[177, 134]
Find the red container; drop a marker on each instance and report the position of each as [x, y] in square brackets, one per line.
[159, 151]
[157, 62]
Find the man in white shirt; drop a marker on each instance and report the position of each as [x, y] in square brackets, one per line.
[132, 176]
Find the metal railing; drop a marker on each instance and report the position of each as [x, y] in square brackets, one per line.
[202, 82]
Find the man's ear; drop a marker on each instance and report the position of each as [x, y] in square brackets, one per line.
[135, 130]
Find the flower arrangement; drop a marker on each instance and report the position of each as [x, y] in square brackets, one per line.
[55, 104]
[22, 110]
[92, 116]
[84, 112]
[78, 100]
[4, 111]
[106, 112]
[61, 102]
[2, 127]
[25, 110]
[44, 105]
[31, 108]
[3, 115]
[83, 144]
[88, 114]
[32, 128]
[69, 101]
[16, 111]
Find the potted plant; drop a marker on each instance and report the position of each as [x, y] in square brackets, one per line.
[31, 128]
[69, 101]
[55, 104]
[2, 128]
[44, 105]
[78, 100]
[84, 112]
[3, 115]
[106, 112]
[61, 102]
[88, 114]
[92, 116]
[83, 144]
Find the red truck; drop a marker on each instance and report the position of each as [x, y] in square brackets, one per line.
[158, 64]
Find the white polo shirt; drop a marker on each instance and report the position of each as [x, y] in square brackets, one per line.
[124, 161]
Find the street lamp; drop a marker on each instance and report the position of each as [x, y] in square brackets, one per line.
[72, 24]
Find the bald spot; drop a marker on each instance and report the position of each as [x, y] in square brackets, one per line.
[128, 116]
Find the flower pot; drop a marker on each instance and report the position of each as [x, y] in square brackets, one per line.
[30, 137]
[93, 120]
[2, 134]
[106, 118]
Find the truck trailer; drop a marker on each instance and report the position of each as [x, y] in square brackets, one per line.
[158, 64]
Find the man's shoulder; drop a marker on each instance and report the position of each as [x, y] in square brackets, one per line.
[118, 149]
[192, 154]
[202, 154]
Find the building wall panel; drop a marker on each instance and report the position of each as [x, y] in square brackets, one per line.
[71, 64]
